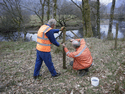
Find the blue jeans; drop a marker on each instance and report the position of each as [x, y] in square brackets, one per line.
[46, 57]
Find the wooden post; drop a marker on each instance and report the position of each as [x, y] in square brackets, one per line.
[64, 54]
[116, 35]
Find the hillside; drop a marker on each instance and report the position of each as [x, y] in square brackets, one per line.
[17, 60]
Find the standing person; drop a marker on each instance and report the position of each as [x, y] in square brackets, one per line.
[45, 37]
[82, 56]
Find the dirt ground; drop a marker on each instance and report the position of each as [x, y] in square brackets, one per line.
[17, 61]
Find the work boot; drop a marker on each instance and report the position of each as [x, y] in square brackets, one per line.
[71, 63]
[86, 70]
[58, 74]
[82, 73]
[35, 77]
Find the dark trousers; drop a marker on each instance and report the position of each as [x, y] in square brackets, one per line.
[46, 57]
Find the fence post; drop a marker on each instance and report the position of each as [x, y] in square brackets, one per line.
[64, 54]
[116, 35]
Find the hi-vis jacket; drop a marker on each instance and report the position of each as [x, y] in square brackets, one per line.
[43, 43]
[82, 56]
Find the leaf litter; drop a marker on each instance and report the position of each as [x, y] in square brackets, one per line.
[17, 66]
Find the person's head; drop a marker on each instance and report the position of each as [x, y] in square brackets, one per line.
[52, 23]
[75, 43]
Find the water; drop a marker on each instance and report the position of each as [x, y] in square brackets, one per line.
[103, 31]
[32, 37]
[69, 35]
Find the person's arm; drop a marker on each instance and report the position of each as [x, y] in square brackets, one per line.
[51, 37]
[69, 54]
[55, 30]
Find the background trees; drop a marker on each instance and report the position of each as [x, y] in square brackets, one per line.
[13, 18]
[121, 12]
[85, 13]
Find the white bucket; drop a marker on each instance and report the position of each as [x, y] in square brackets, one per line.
[94, 81]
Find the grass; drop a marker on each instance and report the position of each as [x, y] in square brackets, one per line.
[17, 61]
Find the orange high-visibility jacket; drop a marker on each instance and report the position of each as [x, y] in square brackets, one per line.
[43, 43]
[82, 56]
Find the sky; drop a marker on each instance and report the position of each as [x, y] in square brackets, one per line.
[105, 1]
[102, 1]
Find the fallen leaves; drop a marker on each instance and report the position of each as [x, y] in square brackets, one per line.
[16, 71]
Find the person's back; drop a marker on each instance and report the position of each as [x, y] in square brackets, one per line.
[43, 43]
[82, 57]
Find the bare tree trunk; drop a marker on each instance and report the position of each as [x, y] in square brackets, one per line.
[83, 22]
[54, 8]
[48, 12]
[64, 54]
[24, 32]
[116, 36]
[42, 4]
[98, 19]
[87, 19]
[111, 18]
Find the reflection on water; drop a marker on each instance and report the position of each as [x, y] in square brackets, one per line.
[104, 31]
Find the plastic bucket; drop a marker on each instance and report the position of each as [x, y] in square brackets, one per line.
[95, 81]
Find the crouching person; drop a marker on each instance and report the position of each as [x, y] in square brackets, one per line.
[82, 56]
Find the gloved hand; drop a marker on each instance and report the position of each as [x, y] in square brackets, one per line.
[61, 29]
[63, 44]
[72, 40]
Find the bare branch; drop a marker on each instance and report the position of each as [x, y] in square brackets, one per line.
[37, 13]
[77, 5]
[59, 35]
[74, 34]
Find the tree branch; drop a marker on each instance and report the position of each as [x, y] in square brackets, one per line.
[77, 5]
